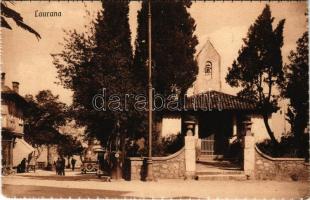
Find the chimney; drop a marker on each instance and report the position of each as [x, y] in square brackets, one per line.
[2, 79]
[15, 86]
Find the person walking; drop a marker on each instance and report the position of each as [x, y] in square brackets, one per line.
[58, 166]
[63, 166]
[73, 161]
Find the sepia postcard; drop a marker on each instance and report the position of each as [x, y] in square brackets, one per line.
[154, 99]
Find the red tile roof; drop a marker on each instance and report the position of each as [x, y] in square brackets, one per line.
[214, 100]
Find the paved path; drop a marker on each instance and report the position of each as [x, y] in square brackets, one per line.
[47, 184]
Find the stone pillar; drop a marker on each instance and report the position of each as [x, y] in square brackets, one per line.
[196, 134]
[198, 141]
[249, 149]
[234, 124]
[190, 151]
[11, 153]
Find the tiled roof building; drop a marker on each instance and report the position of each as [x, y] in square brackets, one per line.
[215, 100]
[14, 148]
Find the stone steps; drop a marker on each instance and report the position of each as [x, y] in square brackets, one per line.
[210, 169]
[206, 158]
[220, 172]
[222, 177]
[218, 165]
[213, 173]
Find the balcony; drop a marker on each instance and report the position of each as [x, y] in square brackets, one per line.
[12, 123]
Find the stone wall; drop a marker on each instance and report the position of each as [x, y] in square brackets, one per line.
[269, 168]
[172, 166]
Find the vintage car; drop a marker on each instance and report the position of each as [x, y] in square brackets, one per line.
[89, 167]
[90, 162]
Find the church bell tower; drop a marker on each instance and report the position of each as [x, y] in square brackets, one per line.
[209, 70]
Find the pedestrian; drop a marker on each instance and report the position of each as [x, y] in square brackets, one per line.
[23, 166]
[63, 165]
[58, 166]
[55, 166]
[73, 161]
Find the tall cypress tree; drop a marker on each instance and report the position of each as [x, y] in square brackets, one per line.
[173, 46]
[100, 58]
[258, 69]
[114, 57]
[297, 89]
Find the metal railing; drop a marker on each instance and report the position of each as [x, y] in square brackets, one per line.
[207, 146]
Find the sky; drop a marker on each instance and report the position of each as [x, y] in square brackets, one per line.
[28, 61]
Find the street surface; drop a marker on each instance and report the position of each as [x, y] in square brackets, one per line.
[48, 184]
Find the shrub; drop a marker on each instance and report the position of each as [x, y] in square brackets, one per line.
[287, 147]
[162, 147]
[173, 143]
[168, 145]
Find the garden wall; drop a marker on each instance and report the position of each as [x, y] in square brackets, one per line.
[269, 168]
[172, 166]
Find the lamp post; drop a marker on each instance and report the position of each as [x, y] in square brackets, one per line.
[149, 175]
[118, 152]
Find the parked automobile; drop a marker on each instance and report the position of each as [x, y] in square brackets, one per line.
[90, 163]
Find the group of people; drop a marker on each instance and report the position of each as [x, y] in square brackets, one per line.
[60, 165]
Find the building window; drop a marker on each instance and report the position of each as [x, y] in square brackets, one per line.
[208, 69]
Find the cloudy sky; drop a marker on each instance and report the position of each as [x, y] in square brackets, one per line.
[27, 60]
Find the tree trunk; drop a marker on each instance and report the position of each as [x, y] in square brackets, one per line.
[123, 151]
[48, 154]
[182, 102]
[49, 163]
[39, 150]
[270, 133]
[69, 165]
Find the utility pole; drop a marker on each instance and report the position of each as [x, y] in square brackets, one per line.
[149, 175]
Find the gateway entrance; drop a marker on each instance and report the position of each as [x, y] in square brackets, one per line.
[215, 130]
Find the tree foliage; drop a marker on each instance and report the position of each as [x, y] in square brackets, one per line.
[297, 87]
[173, 46]
[44, 115]
[101, 57]
[258, 69]
[69, 146]
[9, 13]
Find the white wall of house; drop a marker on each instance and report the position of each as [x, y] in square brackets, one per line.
[258, 128]
[171, 125]
[277, 123]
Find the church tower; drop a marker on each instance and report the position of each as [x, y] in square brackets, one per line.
[209, 70]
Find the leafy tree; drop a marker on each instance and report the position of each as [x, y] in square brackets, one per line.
[100, 58]
[69, 146]
[174, 68]
[8, 13]
[297, 88]
[258, 69]
[173, 46]
[44, 115]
